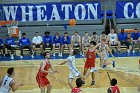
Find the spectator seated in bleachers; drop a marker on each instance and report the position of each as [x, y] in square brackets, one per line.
[9, 44]
[76, 42]
[47, 40]
[56, 42]
[25, 43]
[65, 42]
[95, 37]
[122, 37]
[37, 42]
[113, 40]
[2, 48]
[103, 36]
[135, 38]
[85, 41]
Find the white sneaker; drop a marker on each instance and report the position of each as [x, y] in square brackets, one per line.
[32, 56]
[12, 57]
[128, 51]
[93, 69]
[133, 51]
[53, 54]
[21, 57]
[60, 54]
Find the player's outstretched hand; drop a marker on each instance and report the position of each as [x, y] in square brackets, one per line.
[20, 84]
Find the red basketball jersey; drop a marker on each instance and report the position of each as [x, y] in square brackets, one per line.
[47, 66]
[115, 89]
[90, 56]
[75, 90]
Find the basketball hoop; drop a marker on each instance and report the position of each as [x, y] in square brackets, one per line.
[13, 28]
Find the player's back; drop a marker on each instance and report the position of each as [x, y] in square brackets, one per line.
[76, 90]
[6, 82]
[115, 89]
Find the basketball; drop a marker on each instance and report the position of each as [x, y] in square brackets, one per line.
[72, 22]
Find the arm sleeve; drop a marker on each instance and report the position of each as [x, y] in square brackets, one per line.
[50, 39]
[69, 40]
[44, 41]
[19, 42]
[13, 41]
[29, 42]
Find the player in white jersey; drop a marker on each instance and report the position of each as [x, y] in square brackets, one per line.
[8, 83]
[104, 49]
[72, 68]
[113, 39]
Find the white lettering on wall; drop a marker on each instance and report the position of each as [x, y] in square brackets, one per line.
[76, 12]
[10, 11]
[55, 14]
[138, 10]
[25, 13]
[93, 10]
[67, 8]
[126, 10]
[41, 9]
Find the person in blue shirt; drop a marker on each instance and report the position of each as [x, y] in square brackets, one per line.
[47, 40]
[2, 46]
[56, 42]
[65, 42]
[135, 38]
[9, 43]
[25, 43]
[122, 36]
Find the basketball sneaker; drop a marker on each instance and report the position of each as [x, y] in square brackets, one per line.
[113, 63]
[92, 83]
[104, 66]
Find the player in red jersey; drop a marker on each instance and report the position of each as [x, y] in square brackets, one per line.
[77, 89]
[90, 60]
[45, 68]
[113, 88]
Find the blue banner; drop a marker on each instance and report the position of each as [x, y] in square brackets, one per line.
[128, 10]
[51, 11]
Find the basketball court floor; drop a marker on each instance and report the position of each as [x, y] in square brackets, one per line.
[126, 72]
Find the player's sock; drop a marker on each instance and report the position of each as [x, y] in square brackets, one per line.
[113, 63]
[93, 69]
[92, 83]
[104, 66]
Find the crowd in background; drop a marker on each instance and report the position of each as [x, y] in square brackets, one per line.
[63, 41]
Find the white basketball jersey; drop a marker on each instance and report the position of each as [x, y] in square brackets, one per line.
[113, 37]
[5, 87]
[71, 62]
[103, 48]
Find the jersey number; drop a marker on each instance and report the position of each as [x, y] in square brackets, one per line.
[5, 82]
